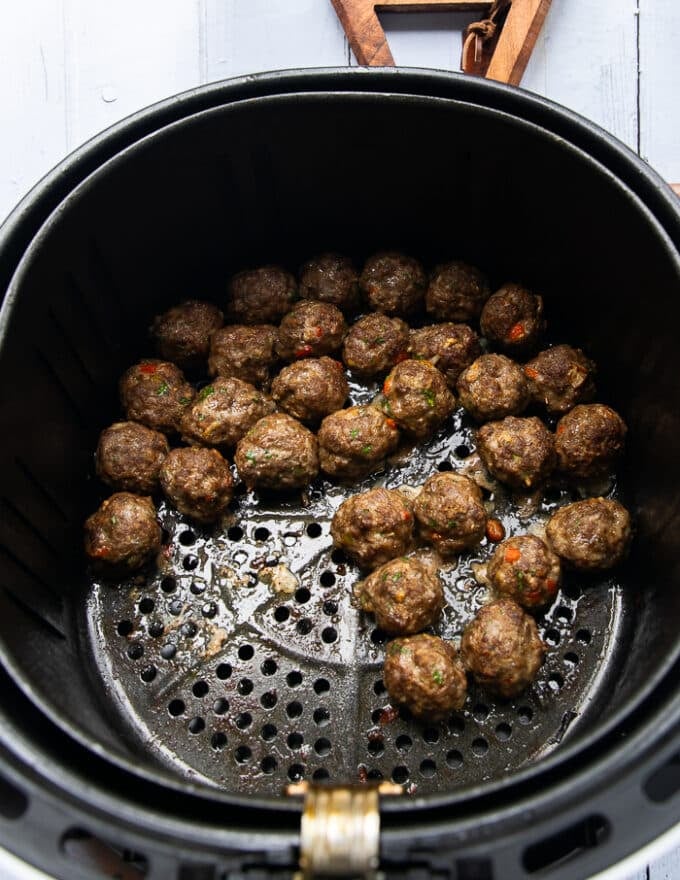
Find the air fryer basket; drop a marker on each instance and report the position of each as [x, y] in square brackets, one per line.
[277, 179]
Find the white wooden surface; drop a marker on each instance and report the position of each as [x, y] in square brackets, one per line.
[69, 68]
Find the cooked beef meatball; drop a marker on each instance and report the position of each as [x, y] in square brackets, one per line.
[277, 453]
[374, 344]
[129, 457]
[518, 452]
[560, 377]
[512, 318]
[589, 440]
[331, 278]
[425, 674]
[156, 394]
[311, 389]
[417, 398]
[502, 649]
[261, 296]
[310, 329]
[182, 334]
[393, 283]
[222, 413]
[374, 527]
[449, 347]
[493, 387]
[405, 595]
[123, 534]
[526, 570]
[354, 442]
[590, 535]
[198, 482]
[456, 292]
[243, 352]
[450, 513]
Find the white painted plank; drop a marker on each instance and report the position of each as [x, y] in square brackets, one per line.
[586, 59]
[659, 78]
[666, 868]
[430, 39]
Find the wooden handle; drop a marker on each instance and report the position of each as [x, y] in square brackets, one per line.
[676, 188]
[517, 40]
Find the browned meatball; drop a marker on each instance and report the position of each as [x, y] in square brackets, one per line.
[182, 334]
[310, 329]
[448, 347]
[502, 649]
[425, 674]
[374, 344]
[354, 442]
[277, 453]
[518, 452]
[560, 377]
[456, 292]
[374, 527]
[129, 457]
[222, 413]
[331, 278]
[512, 318]
[198, 482]
[493, 387]
[311, 389]
[590, 535]
[261, 296]
[405, 595]
[393, 283]
[589, 440]
[526, 570]
[417, 398]
[242, 352]
[123, 534]
[156, 394]
[450, 513]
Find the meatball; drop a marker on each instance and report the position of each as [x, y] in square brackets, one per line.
[405, 596]
[129, 457]
[261, 296]
[502, 649]
[310, 329]
[243, 352]
[277, 453]
[450, 513]
[374, 527]
[123, 534]
[425, 674]
[331, 278]
[526, 570]
[589, 440]
[354, 442]
[590, 535]
[156, 394]
[493, 387]
[449, 347]
[374, 344]
[518, 452]
[198, 482]
[311, 389]
[393, 283]
[182, 334]
[456, 292]
[417, 398]
[222, 413]
[513, 318]
[560, 377]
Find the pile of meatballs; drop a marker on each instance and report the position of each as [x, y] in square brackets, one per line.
[279, 356]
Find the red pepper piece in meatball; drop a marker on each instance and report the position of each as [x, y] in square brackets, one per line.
[374, 527]
[311, 389]
[523, 568]
[156, 394]
[222, 413]
[518, 452]
[450, 513]
[393, 283]
[448, 347]
[277, 453]
[354, 442]
[425, 674]
[374, 344]
[310, 329]
[560, 377]
[493, 387]
[502, 649]
[512, 318]
[589, 440]
[590, 535]
[198, 482]
[456, 292]
[417, 398]
[123, 534]
[261, 296]
[129, 457]
[405, 595]
[182, 334]
[243, 352]
[331, 278]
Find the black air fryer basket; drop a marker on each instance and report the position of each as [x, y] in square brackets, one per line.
[156, 726]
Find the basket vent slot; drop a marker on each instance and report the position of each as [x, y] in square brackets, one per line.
[566, 844]
[97, 855]
[13, 802]
[663, 783]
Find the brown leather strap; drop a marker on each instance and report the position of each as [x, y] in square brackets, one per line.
[478, 36]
